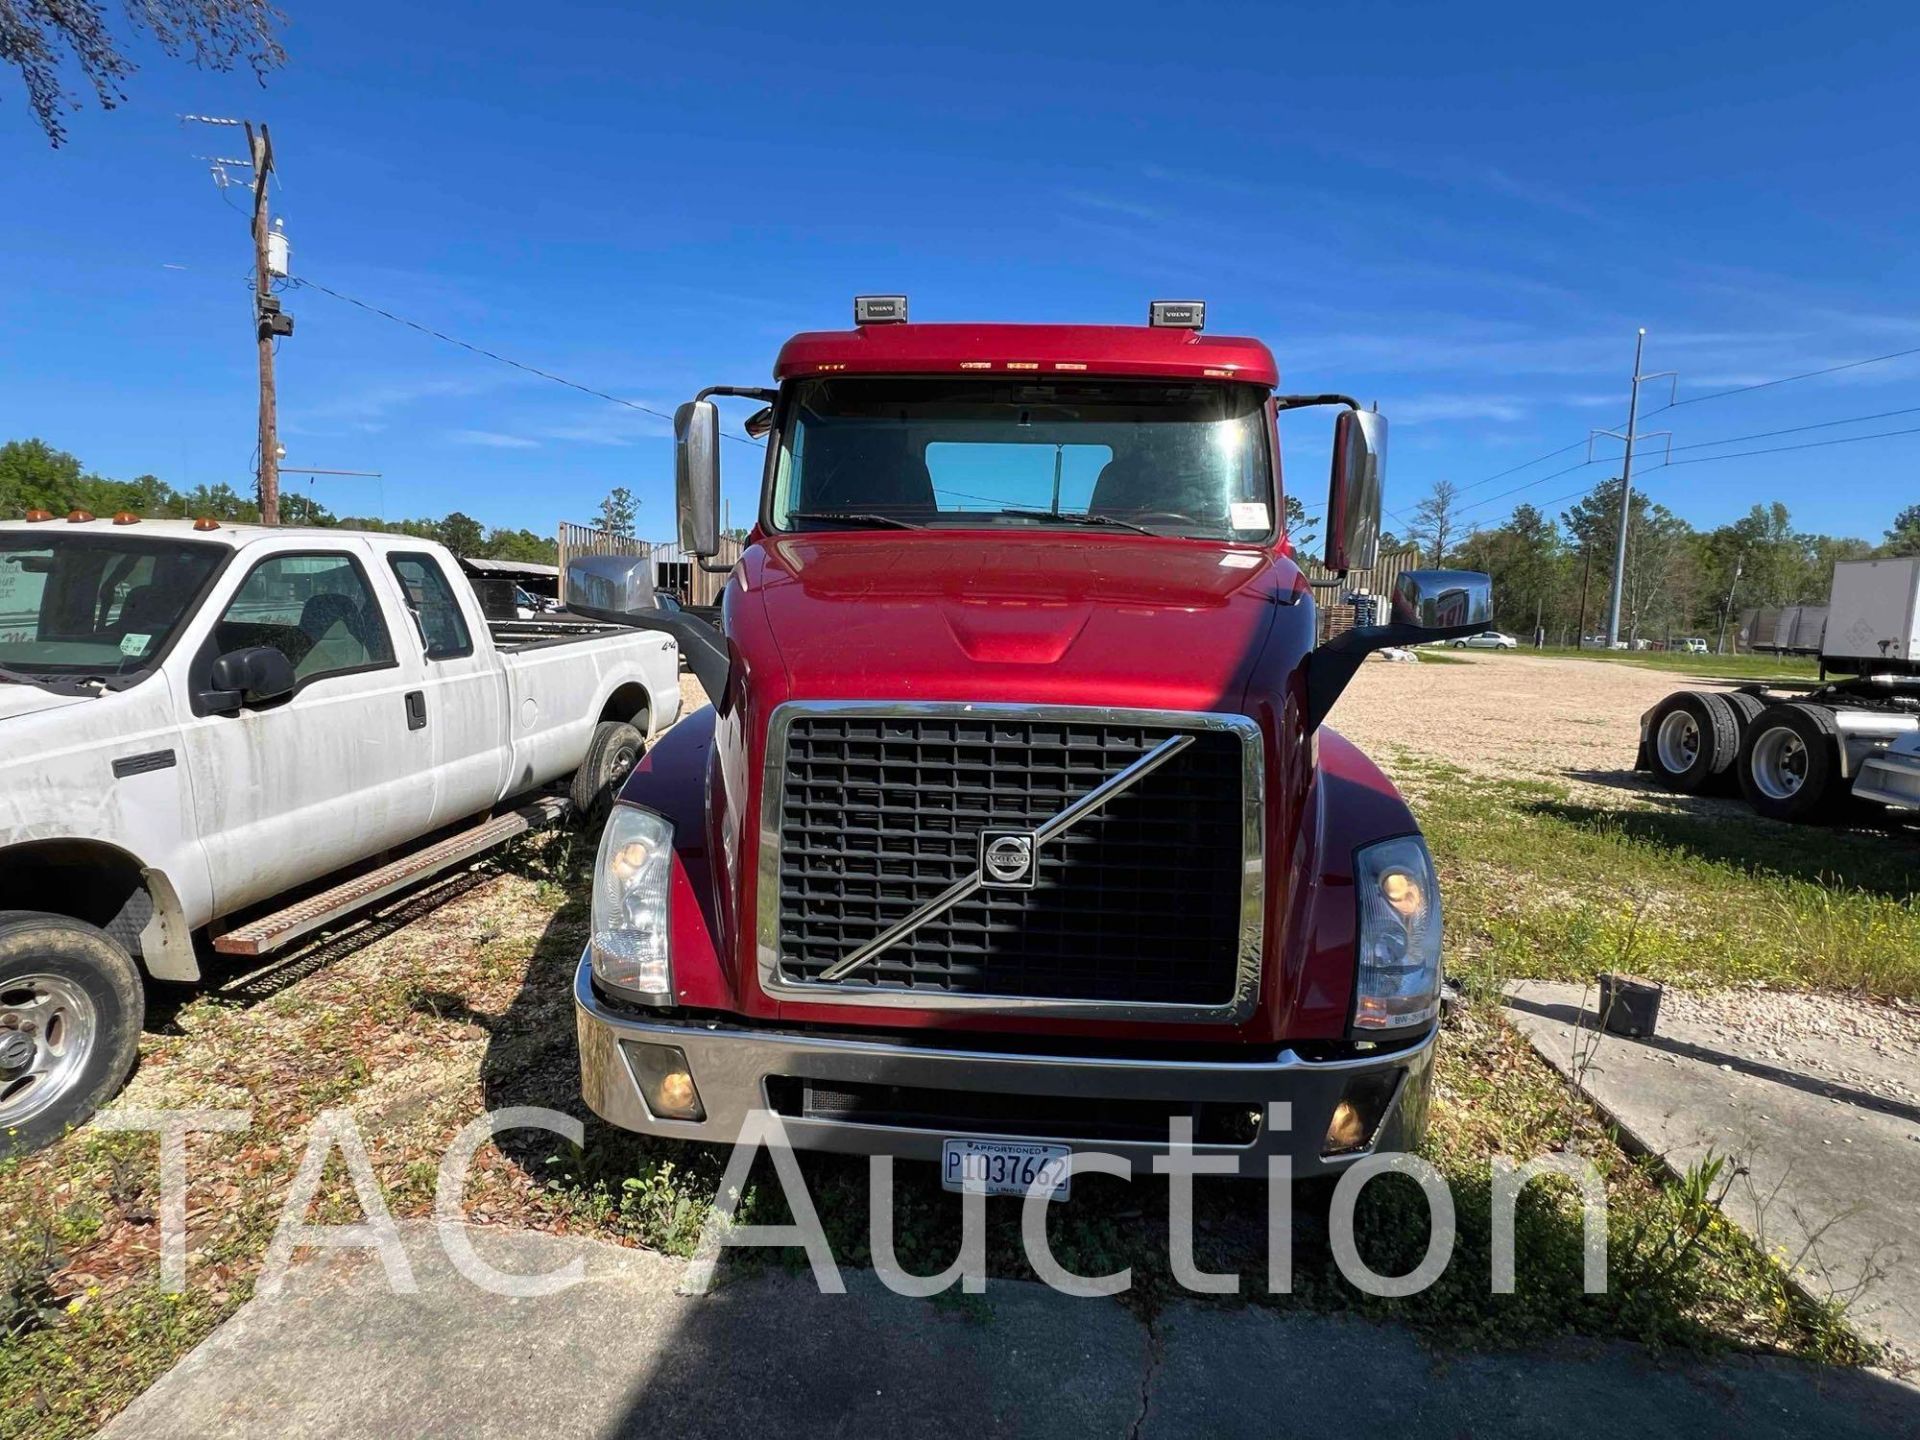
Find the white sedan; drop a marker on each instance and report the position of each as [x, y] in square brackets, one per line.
[1487, 640]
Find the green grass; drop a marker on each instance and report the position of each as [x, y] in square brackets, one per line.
[1541, 884]
[1707, 667]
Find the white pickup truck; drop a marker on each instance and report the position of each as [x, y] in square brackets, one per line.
[225, 734]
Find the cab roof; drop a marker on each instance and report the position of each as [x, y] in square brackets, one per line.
[232, 534]
[1137, 351]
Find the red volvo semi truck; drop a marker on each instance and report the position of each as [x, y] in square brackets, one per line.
[1015, 828]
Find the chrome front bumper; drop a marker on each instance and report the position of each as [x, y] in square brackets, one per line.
[731, 1065]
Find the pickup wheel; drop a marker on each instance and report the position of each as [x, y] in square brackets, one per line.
[615, 749]
[71, 1008]
[1790, 763]
[1692, 741]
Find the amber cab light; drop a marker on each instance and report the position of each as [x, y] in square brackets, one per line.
[34, 517]
[206, 522]
[79, 517]
[125, 517]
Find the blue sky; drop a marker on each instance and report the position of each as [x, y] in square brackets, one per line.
[1461, 211]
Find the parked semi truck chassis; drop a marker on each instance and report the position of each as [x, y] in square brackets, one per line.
[1811, 753]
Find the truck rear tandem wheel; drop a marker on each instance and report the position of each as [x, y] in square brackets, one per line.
[1790, 763]
[1692, 740]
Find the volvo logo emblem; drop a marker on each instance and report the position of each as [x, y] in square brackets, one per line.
[1007, 859]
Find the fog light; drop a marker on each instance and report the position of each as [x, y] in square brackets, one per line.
[666, 1081]
[1347, 1131]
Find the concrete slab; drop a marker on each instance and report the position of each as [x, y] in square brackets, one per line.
[1833, 1168]
[622, 1354]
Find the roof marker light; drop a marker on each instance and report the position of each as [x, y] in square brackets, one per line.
[79, 517]
[879, 309]
[36, 516]
[206, 522]
[1177, 314]
[125, 517]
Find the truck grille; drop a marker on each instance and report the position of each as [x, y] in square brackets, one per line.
[1141, 902]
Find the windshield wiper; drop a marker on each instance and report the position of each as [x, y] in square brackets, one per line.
[865, 518]
[59, 685]
[1077, 519]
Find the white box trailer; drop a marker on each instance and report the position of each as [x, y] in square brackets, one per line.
[1875, 612]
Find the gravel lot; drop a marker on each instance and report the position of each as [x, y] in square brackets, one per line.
[1508, 715]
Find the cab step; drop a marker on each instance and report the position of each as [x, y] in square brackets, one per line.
[267, 933]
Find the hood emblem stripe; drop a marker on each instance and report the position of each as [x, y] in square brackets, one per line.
[1088, 804]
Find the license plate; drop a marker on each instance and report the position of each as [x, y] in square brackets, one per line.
[1004, 1167]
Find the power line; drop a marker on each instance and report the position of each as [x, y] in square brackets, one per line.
[1554, 475]
[1516, 469]
[1789, 379]
[1797, 429]
[503, 359]
[1807, 445]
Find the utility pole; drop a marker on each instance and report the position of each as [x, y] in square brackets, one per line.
[1720, 644]
[1626, 477]
[266, 309]
[270, 322]
[1586, 570]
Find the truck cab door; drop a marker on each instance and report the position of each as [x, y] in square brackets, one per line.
[331, 774]
[463, 694]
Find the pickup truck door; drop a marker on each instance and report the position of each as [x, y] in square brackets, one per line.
[293, 789]
[464, 690]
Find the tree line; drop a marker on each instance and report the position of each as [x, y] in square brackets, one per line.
[1679, 581]
[34, 475]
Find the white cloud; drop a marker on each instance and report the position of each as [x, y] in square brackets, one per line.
[493, 440]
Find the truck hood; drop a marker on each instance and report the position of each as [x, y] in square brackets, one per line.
[16, 700]
[1034, 617]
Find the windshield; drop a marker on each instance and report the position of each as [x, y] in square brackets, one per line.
[94, 604]
[1169, 459]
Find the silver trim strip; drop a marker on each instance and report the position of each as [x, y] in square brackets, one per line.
[1056, 826]
[1246, 989]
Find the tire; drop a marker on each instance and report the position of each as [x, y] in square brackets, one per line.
[1744, 707]
[615, 749]
[1692, 741]
[71, 1008]
[1790, 763]
[1459, 644]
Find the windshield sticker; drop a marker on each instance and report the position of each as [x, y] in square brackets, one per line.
[135, 645]
[1250, 515]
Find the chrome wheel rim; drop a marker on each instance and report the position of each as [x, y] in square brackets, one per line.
[1779, 763]
[48, 1027]
[1677, 742]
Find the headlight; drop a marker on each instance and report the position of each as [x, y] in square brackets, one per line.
[630, 949]
[1399, 961]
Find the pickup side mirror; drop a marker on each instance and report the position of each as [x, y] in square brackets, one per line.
[252, 676]
[1427, 605]
[1354, 491]
[696, 476]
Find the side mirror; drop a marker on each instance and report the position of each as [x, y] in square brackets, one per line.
[696, 476]
[1354, 491]
[251, 676]
[1427, 605]
[1446, 602]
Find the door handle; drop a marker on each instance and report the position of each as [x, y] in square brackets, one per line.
[416, 709]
